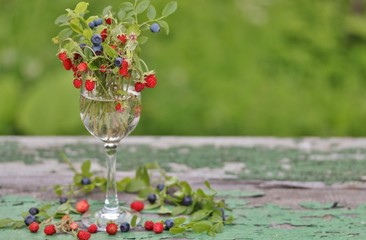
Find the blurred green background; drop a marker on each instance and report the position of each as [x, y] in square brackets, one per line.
[228, 67]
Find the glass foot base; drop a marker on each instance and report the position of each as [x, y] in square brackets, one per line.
[102, 218]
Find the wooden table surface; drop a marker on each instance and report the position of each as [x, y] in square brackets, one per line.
[279, 188]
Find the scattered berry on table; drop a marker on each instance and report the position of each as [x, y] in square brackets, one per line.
[158, 227]
[187, 201]
[85, 181]
[96, 39]
[139, 87]
[137, 206]
[89, 85]
[149, 225]
[111, 228]
[29, 219]
[151, 198]
[160, 187]
[33, 211]
[82, 206]
[150, 81]
[169, 223]
[155, 28]
[93, 228]
[83, 235]
[63, 199]
[74, 226]
[125, 227]
[33, 227]
[50, 229]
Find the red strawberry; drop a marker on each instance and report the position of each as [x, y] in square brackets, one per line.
[67, 64]
[158, 227]
[77, 83]
[50, 229]
[123, 71]
[150, 81]
[102, 68]
[119, 108]
[74, 68]
[108, 21]
[74, 226]
[122, 38]
[33, 227]
[77, 56]
[82, 67]
[113, 46]
[104, 34]
[89, 85]
[83, 235]
[139, 87]
[62, 56]
[82, 206]
[93, 228]
[149, 225]
[111, 228]
[137, 206]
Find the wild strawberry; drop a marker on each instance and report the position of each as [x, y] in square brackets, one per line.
[93, 228]
[62, 56]
[119, 108]
[67, 64]
[77, 56]
[111, 228]
[102, 68]
[124, 64]
[113, 46]
[74, 68]
[74, 226]
[122, 38]
[66, 218]
[139, 87]
[150, 81]
[89, 85]
[137, 206]
[123, 71]
[50, 229]
[83, 235]
[82, 206]
[77, 83]
[33, 227]
[82, 67]
[104, 34]
[158, 227]
[149, 225]
[108, 21]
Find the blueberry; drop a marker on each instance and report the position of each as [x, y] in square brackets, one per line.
[160, 187]
[91, 25]
[82, 45]
[98, 49]
[125, 227]
[155, 28]
[63, 200]
[169, 223]
[96, 39]
[187, 201]
[151, 198]
[85, 181]
[98, 21]
[29, 219]
[118, 62]
[33, 211]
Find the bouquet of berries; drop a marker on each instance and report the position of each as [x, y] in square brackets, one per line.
[104, 51]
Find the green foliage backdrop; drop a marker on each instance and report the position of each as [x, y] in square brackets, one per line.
[233, 67]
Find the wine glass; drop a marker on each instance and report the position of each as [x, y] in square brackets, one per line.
[110, 110]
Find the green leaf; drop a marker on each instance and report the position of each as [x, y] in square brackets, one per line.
[171, 180]
[81, 7]
[152, 206]
[75, 26]
[164, 210]
[121, 185]
[62, 19]
[126, 6]
[135, 185]
[142, 174]
[106, 10]
[58, 190]
[179, 221]
[186, 188]
[169, 8]
[85, 167]
[18, 224]
[177, 230]
[145, 192]
[6, 222]
[218, 227]
[202, 226]
[133, 221]
[109, 51]
[77, 178]
[64, 34]
[87, 33]
[208, 185]
[143, 40]
[201, 193]
[151, 12]
[121, 14]
[164, 25]
[216, 218]
[229, 220]
[142, 6]
[178, 210]
[200, 214]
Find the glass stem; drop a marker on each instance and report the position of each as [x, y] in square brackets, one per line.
[111, 204]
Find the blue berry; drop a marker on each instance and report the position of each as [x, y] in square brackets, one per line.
[91, 25]
[33, 211]
[151, 198]
[29, 219]
[63, 200]
[118, 62]
[187, 201]
[96, 39]
[155, 28]
[169, 223]
[160, 187]
[85, 181]
[98, 21]
[82, 45]
[98, 49]
[125, 227]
